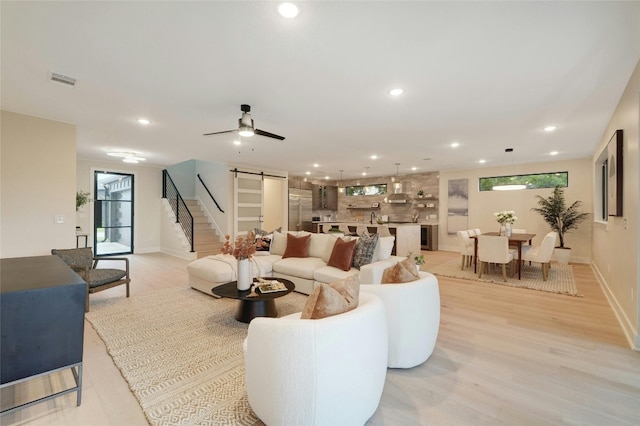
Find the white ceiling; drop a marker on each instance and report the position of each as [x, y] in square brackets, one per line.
[488, 75]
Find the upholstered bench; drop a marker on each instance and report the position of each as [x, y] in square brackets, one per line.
[207, 272]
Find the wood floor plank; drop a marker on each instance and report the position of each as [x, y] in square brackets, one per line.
[504, 356]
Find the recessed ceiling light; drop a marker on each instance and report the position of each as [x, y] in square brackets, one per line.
[316, 165]
[549, 128]
[554, 153]
[288, 10]
[326, 177]
[414, 168]
[396, 92]
[364, 173]
[127, 157]
[374, 157]
[455, 144]
[237, 142]
[307, 173]
[482, 161]
[143, 121]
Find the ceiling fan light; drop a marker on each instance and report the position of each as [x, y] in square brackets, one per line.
[245, 131]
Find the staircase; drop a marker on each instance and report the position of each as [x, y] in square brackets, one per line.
[205, 239]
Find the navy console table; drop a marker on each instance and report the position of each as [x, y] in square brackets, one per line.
[42, 303]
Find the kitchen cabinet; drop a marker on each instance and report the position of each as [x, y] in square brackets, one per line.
[299, 184]
[325, 197]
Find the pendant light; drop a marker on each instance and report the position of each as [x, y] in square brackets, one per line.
[340, 186]
[510, 186]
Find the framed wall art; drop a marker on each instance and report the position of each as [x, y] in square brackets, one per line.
[615, 174]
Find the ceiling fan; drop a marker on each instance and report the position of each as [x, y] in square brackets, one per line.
[245, 126]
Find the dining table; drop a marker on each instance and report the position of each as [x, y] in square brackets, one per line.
[514, 239]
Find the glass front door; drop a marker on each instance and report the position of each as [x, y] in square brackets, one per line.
[113, 213]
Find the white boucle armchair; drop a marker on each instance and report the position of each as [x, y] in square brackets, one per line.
[328, 371]
[413, 317]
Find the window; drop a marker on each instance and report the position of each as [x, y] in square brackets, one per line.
[376, 189]
[532, 181]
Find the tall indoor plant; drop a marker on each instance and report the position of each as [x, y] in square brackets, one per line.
[560, 218]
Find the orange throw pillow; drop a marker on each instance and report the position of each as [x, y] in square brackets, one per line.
[400, 273]
[332, 299]
[342, 254]
[297, 246]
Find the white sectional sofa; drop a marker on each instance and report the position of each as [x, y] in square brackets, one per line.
[305, 273]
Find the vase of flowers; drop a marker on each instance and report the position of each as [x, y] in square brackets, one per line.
[505, 218]
[242, 249]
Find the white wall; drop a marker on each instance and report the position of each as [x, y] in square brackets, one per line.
[616, 257]
[37, 182]
[482, 205]
[147, 201]
[215, 176]
[183, 176]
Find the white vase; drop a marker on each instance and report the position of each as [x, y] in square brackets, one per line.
[244, 274]
[507, 229]
[503, 230]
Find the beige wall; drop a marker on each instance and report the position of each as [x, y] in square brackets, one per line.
[482, 205]
[615, 249]
[275, 204]
[38, 182]
[147, 201]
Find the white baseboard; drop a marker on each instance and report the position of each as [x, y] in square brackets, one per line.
[181, 255]
[627, 327]
[143, 250]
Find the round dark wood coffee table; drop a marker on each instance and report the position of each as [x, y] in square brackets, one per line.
[262, 305]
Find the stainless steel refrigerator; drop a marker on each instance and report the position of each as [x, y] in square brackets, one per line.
[300, 210]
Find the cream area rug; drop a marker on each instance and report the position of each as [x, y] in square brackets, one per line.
[180, 351]
[561, 279]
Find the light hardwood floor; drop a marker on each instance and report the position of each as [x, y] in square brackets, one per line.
[504, 356]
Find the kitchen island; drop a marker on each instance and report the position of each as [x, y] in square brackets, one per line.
[407, 234]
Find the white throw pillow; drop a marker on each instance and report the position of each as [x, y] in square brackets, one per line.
[383, 248]
[278, 243]
[318, 245]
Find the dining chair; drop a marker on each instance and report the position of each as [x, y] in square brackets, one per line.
[541, 254]
[477, 231]
[326, 228]
[471, 232]
[493, 249]
[344, 228]
[383, 231]
[465, 244]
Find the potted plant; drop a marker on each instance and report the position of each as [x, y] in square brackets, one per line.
[82, 198]
[420, 193]
[560, 218]
[419, 260]
[243, 250]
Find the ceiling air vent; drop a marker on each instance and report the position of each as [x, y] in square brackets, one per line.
[63, 79]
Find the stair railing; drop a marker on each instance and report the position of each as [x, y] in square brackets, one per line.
[179, 207]
[209, 192]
